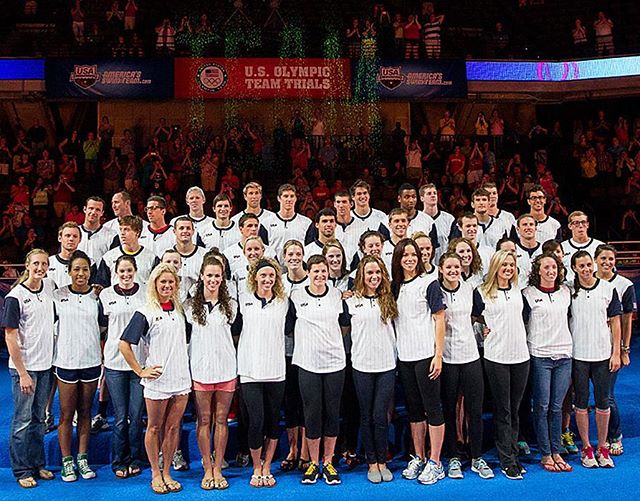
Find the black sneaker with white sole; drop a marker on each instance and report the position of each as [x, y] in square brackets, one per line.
[331, 475]
[512, 472]
[311, 474]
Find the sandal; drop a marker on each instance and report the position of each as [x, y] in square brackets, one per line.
[268, 480]
[563, 466]
[220, 484]
[173, 485]
[122, 472]
[159, 487]
[549, 465]
[615, 448]
[44, 474]
[289, 464]
[303, 464]
[207, 484]
[27, 482]
[256, 481]
[134, 470]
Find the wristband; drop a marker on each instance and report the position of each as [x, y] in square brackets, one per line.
[625, 349]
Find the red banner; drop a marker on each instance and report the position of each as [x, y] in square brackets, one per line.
[219, 78]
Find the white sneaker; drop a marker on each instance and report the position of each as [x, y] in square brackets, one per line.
[455, 469]
[432, 473]
[480, 466]
[413, 469]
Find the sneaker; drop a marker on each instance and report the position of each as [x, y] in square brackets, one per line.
[587, 458]
[603, 458]
[99, 424]
[480, 466]
[330, 474]
[568, 442]
[242, 460]
[512, 472]
[225, 465]
[83, 467]
[455, 469]
[413, 469]
[523, 448]
[49, 423]
[523, 470]
[179, 463]
[68, 473]
[160, 460]
[310, 476]
[432, 473]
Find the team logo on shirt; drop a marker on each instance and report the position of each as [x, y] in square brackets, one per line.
[27, 301]
[64, 300]
[390, 77]
[537, 300]
[211, 77]
[111, 303]
[304, 304]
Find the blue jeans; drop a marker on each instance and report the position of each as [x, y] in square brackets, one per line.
[375, 391]
[26, 443]
[615, 431]
[127, 445]
[550, 380]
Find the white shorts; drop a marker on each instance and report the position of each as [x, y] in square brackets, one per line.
[163, 395]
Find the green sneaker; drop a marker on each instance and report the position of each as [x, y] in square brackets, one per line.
[83, 467]
[568, 442]
[68, 473]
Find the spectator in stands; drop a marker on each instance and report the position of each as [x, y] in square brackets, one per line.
[630, 226]
[119, 48]
[204, 27]
[413, 155]
[46, 167]
[21, 165]
[62, 197]
[90, 148]
[398, 34]
[40, 198]
[604, 35]
[353, 39]
[68, 167]
[580, 39]
[115, 18]
[411, 32]
[37, 134]
[447, 130]
[30, 8]
[165, 41]
[431, 35]
[481, 127]
[19, 192]
[130, 12]
[184, 26]
[77, 22]
[136, 46]
[111, 171]
[499, 42]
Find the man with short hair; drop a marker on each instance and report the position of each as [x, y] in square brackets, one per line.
[249, 226]
[191, 254]
[287, 223]
[325, 224]
[580, 240]
[507, 219]
[467, 227]
[398, 224]
[69, 237]
[443, 221]
[417, 220]
[96, 239]
[527, 247]
[222, 232]
[130, 229]
[158, 236]
[548, 228]
[490, 229]
[366, 217]
[196, 199]
[252, 193]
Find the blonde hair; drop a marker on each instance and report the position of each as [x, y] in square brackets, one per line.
[278, 288]
[292, 243]
[490, 284]
[152, 292]
[27, 260]
[386, 301]
[250, 239]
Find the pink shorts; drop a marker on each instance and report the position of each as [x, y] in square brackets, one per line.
[228, 386]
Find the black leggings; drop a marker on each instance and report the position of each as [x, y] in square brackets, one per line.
[507, 382]
[349, 413]
[600, 376]
[263, 402]
[293, 414]
[321, 402]
[466, 379]
[421, 393]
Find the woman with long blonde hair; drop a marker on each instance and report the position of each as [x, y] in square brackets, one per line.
[499, 306]
[28, 320]
[161, 325]
[369, 314]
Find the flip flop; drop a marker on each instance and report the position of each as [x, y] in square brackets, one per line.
[173, 485]
[267, 479]
[550, 466]
[27, 482]
[256, 481]
[45, 474]
[289, 464]
[563, 466]
[134, 470]
[220, 484]
[207, 484]
[159, 487]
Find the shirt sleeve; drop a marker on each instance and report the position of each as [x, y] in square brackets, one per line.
[526, 309]
[103, 275]
[629, 300]
[615, 308]
[384, 231]
[263, 234]
[311, 235]
[290, 322]
[559, 234]
[344, 319]
[11, 313]
[433, 235]
[478, 304]
[236, 326]
[137, 328]
[103, 320]
[435, 298]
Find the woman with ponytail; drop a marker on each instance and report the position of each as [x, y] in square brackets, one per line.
[212, 357]
[28, 319]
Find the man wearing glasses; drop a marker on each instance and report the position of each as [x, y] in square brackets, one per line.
[548, 228]
[580, 240]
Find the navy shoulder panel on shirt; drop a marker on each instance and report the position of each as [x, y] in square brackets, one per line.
[435, 298]
[136, 329]
[11, 313]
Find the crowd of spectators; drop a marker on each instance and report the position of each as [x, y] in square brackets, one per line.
[46, 183]
[427, 29]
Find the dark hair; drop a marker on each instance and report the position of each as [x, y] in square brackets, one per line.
[576, 279]
[536, 187]
[94, 198]
[502, 241]
[221, 197]
[479, 192]
[326, 212]
[317, 259]
[447, 255]
[198, 301]
[128, 259]
[78, 254]
[367, 234]
[245, 217]
[183, 219]
[551, 246]
[604, 247]
[133, 222]
[343, 194]
[534, 274]
[360, 183]
[397, 273]
[406, 187]
[156, 198]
